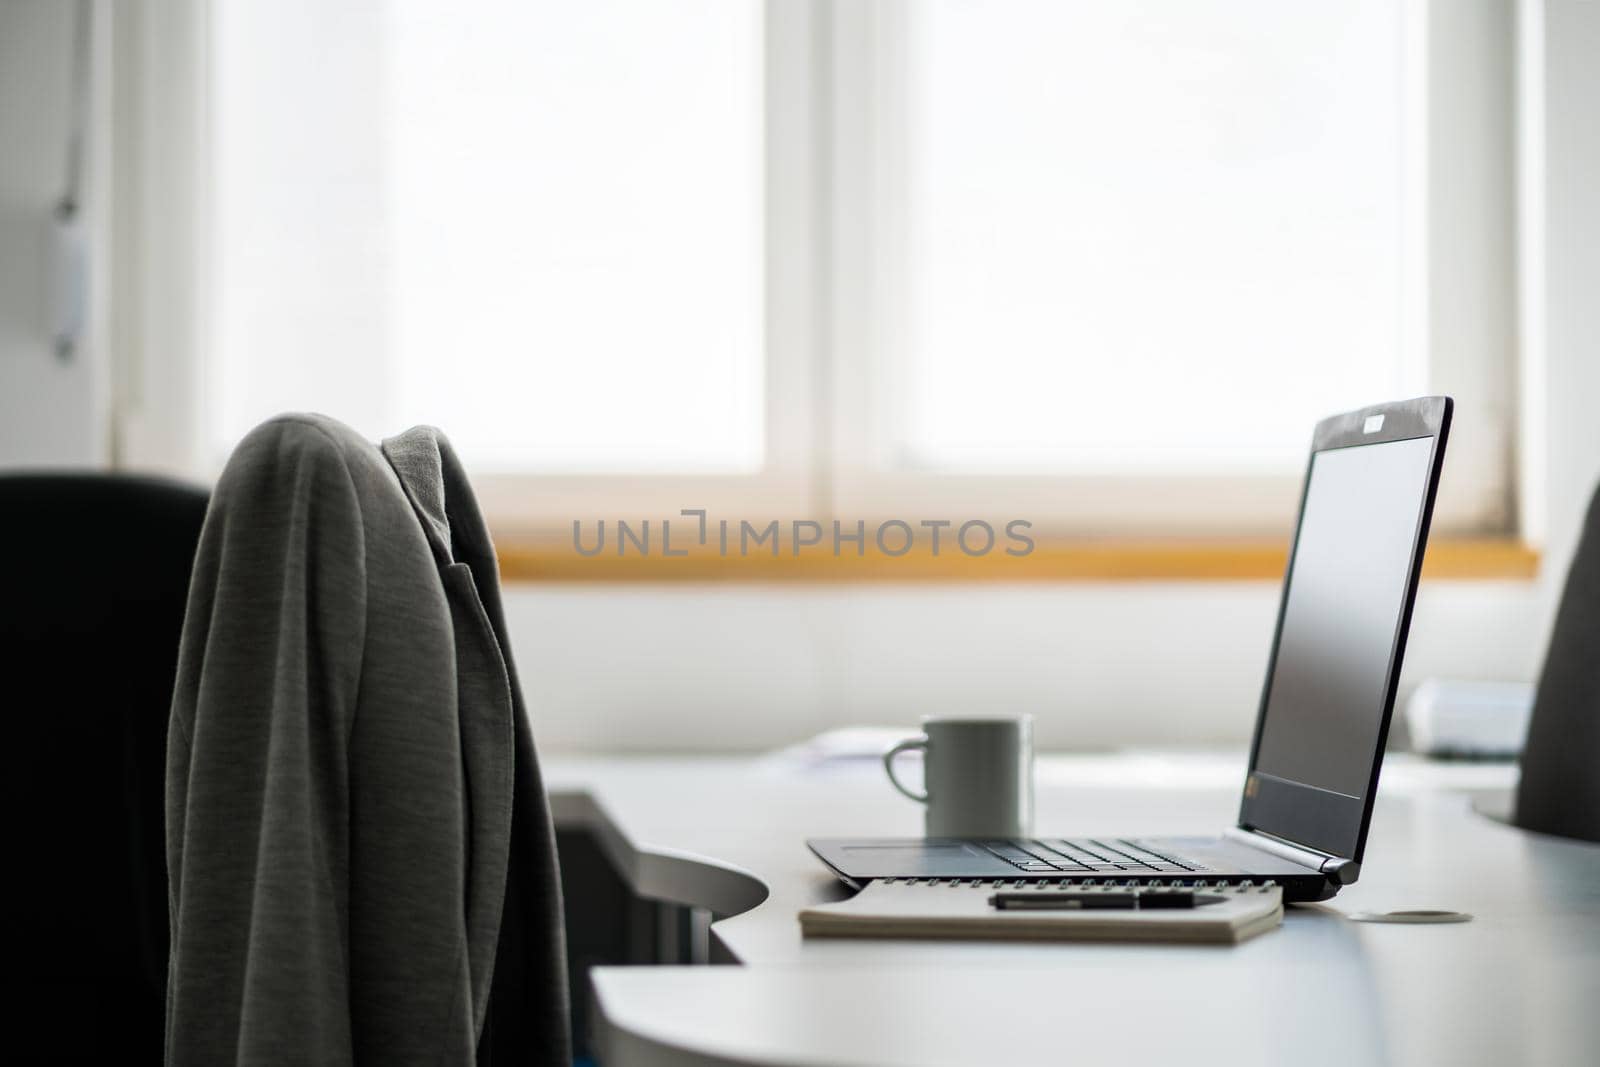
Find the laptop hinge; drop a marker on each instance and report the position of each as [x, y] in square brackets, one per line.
[1340, 871]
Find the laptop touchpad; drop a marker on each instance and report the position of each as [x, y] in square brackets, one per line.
[944, 860]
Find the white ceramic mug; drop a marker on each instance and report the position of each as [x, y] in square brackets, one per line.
[977, 775]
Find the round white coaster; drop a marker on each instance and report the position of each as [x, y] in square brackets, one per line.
[1413, 913]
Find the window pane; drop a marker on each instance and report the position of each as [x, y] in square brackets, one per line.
[1153, 234]
[535, 224]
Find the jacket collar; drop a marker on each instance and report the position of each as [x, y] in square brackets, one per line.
[436, 485]
[417, 457]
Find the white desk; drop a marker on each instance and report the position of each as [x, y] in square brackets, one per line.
[1519, 984]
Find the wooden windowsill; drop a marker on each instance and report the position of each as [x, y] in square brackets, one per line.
[1050, 561]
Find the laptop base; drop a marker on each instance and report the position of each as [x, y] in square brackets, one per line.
[857, 861]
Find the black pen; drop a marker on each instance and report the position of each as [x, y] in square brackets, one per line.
[1044, 901]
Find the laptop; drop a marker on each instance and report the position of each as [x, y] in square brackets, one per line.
[1324, 716]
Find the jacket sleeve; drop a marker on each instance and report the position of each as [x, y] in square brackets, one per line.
[258, 793]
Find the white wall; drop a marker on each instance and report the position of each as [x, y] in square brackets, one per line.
[671, 667]
[1566, 315]
[51, 411]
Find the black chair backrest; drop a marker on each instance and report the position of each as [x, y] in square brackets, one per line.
[1560, 790]
[97, 576]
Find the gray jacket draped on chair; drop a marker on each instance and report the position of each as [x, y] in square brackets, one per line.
[362, 867]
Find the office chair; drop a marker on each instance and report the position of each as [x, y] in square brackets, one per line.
[97, 576]
[1560, 788]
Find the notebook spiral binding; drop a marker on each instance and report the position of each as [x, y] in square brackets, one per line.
[1089, 883]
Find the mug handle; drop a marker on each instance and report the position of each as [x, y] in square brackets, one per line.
[907, 745]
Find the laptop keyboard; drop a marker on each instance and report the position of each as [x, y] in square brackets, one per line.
[1100, 858]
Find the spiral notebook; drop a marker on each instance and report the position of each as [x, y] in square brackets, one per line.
[934, 908]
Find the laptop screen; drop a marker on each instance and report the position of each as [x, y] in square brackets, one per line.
[1346, 598]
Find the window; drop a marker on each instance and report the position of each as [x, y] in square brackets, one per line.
[601, 262]
[1157, 236]
[1096, 265]
[1120, 258]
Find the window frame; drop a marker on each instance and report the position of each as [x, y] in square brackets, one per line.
[542, 506]
[162, 73]
[827, 353]
[1457, 107]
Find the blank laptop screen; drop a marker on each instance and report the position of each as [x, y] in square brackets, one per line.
[1346, 592]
